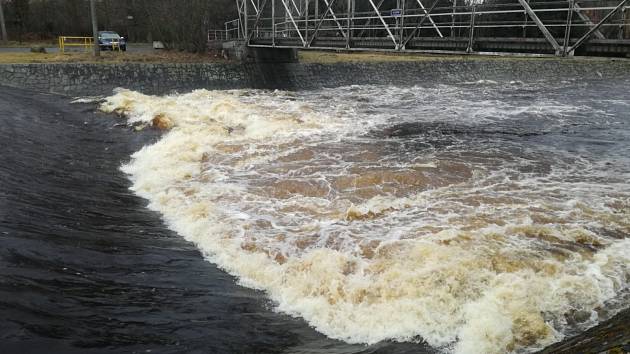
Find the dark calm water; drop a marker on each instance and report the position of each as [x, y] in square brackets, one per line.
[85, 266]
[437, 211]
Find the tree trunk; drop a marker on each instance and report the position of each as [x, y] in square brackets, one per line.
[95, 46]
[3, 27]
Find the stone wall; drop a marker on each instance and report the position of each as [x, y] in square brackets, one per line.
[77, 79]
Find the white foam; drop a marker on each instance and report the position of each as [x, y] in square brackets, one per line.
[285, 192]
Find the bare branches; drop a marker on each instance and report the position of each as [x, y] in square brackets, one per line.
[178, 24]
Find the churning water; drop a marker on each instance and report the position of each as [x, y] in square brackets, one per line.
[478, 217]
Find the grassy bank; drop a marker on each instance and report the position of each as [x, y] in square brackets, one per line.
[107, 57]
[181, 57]
[309, 56]
[305, 56]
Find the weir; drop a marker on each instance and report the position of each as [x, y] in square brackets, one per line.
[560, 28]
[70, 79]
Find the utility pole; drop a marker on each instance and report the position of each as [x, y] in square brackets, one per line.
[3, 27]
[95, 47]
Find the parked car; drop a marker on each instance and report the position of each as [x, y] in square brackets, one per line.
[109, 40]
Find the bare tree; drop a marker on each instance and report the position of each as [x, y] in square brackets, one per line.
[180, 25]
[183, 25]
[3, 26]
[96, 48]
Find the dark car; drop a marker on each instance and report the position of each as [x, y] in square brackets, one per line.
[109, 40]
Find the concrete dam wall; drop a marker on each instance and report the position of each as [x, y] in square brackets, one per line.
[96, 79]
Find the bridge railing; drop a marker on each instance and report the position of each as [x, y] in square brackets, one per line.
[232, 30]
[557, 26]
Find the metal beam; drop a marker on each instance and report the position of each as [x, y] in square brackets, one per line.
[286, 7]
[453, 18]
[401, 30]
[588, 34]
[369, 19]
[471, 34]
[246, 16]
[319, 23]
[587, 20]
[378, 13]
[541, 26]
[567, 28]
[349, 23]
[335, 18]
[273, 23]
[430, 19]
[415, 23]
[296, 8]
[240, 5]
[419, 24]
[260, 11]
[306, 19]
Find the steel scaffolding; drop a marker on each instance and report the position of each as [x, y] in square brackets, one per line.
[464, 26]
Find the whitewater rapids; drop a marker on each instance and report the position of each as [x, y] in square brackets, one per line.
[479, 217]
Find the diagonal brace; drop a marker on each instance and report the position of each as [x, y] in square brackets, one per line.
[419, 24]
[296, 8]
[259, 13]
[336, 20]
[588, 34]
[541, 26]
[430, 19]
[286, 7]
[378, 13]
[587, 20]
[319, 23]
[369, 20]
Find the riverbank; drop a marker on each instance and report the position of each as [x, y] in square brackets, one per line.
[143, 53]
[14, 57]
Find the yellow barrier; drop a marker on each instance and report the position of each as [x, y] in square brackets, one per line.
[69, 41]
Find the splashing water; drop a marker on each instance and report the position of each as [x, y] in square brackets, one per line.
[481, 217]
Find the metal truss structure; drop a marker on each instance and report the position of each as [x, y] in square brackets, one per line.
[559, 27]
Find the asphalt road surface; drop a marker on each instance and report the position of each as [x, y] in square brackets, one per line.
[131, 48]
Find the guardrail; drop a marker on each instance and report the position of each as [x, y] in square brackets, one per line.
[233, 31]
[74, 41]
[217, 35]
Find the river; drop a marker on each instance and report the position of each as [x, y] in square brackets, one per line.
[477, 217]
[469, 217]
